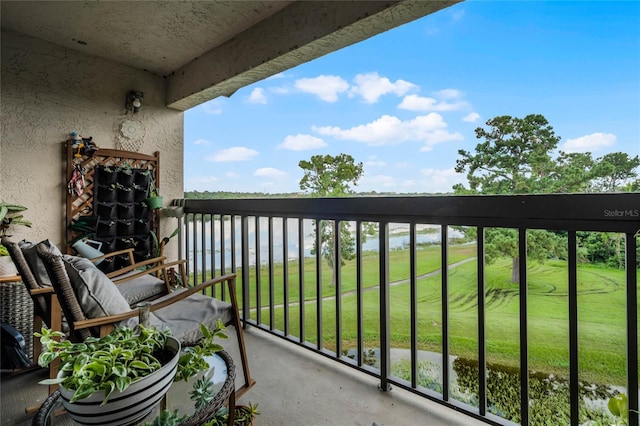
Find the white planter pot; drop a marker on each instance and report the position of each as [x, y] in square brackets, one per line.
[130, 406]
[7, 268]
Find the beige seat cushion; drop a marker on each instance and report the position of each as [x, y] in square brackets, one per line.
[144, 288]
[183, 318]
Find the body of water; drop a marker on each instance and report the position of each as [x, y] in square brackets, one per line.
[398, 239]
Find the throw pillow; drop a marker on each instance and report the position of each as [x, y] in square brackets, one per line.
[35, 263]
[97, 295]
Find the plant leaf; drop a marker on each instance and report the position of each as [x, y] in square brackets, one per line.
[84, 390]
[619, 406]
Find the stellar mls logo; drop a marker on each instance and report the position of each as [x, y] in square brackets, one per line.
[622, 213]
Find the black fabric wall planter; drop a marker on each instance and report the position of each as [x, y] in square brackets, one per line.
[125, 227]
[143, 242]
[142, 227]
[125, 243]
[141, 178]
[109, 245]
[143, 247]
[122, 261]
[107, 265]
[107, 211]
[124, 219]
[125, 178]
[106, 228]
[127, 211]
[140, 194]
[105, 175]
[143, 212]
[125, 195]
[107, 194]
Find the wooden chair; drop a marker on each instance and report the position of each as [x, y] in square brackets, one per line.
[86, 317]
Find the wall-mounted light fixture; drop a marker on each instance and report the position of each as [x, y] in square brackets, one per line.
[133, 102]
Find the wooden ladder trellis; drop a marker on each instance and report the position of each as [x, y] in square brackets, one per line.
[83, 205]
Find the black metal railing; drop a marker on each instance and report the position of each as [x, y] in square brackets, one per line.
[216, 234]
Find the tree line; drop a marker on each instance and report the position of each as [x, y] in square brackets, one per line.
[514, 156]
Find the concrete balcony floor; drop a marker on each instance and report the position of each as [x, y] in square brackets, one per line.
[293, 387]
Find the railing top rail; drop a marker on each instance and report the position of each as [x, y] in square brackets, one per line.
[613, 212]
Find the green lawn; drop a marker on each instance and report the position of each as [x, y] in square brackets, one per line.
[601, 303]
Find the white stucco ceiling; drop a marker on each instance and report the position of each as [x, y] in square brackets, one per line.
[159, 36]
[207, 49]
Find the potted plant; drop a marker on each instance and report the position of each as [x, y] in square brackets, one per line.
[244, 415]
[125, 373]
[155, 200]
[158, 245]
[125, 174]
[105, 175]
[10, 215]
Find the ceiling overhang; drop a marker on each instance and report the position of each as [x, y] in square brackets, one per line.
[207, 49]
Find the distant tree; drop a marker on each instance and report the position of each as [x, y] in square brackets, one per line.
[329, 176]
[615, 172]
[573, 173]
[515, 158]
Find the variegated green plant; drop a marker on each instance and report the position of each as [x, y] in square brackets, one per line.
[116, 360]
[102, 364]
[10, 215]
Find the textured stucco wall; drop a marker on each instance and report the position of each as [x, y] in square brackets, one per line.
[48, 91]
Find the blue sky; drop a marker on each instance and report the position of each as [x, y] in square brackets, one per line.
[404, 102]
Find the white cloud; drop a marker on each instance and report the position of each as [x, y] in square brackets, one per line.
[269, 172]
[301, 142]
[276, 76]
[371, 86]
[589, 143]
[257, 96]
[213, 107]
[390, 130]
[202, 142]
[375, 163]
[421, 103]
[376, 182]
[279, 90]
[237, 153]
[326, 87]
[232, 175]
[450, 94]
[439, 136]
[472, 117]
[440, 180]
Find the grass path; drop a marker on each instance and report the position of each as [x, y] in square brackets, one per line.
[374, 287]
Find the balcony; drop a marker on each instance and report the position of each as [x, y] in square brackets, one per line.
[393, 340]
